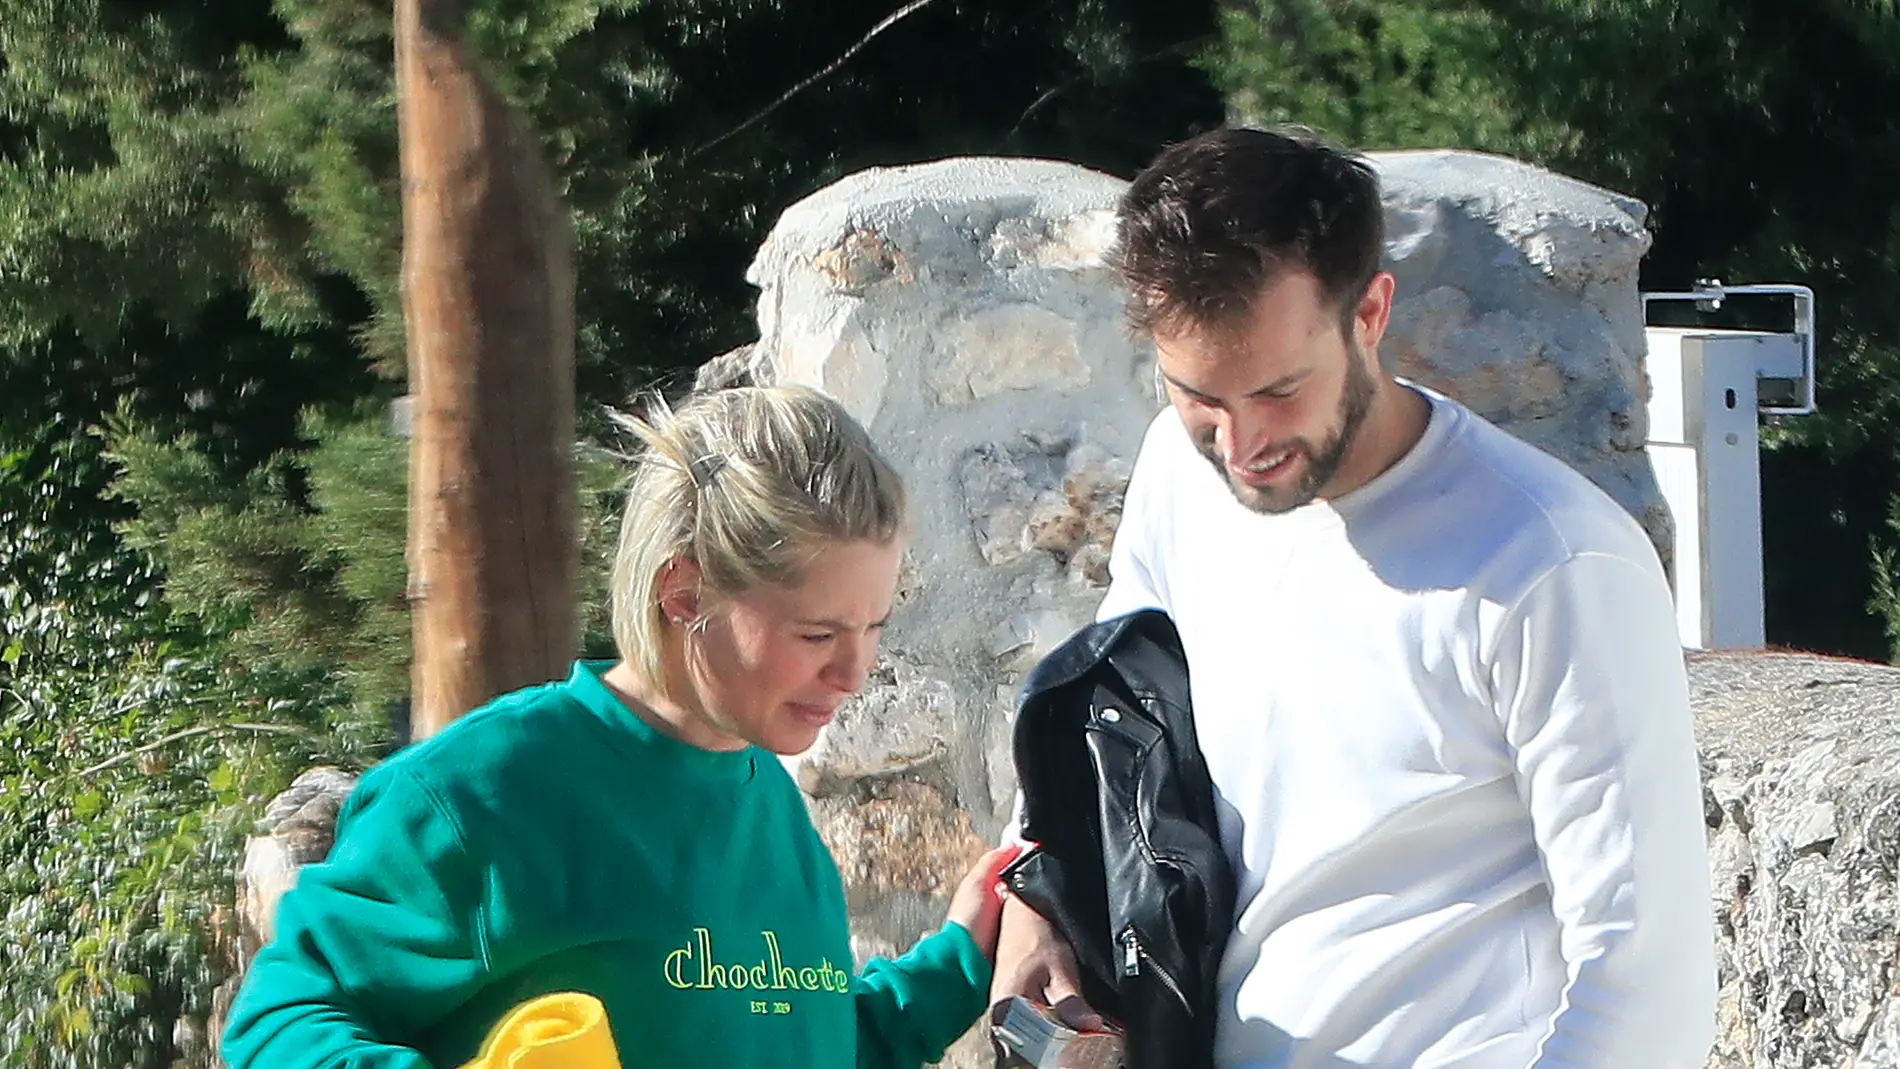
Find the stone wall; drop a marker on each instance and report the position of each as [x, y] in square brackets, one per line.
[1517, 295]
[1801, 770]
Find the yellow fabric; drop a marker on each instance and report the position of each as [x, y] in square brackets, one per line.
[560, 1031]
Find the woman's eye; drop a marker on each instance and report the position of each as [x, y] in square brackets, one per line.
[816, 638]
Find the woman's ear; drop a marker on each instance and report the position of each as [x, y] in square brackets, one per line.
[679, 589]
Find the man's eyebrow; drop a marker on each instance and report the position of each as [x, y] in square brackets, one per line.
[1282, 382]
[1275, 386]
[1186, 389]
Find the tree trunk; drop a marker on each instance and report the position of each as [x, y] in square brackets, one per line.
[488, 304]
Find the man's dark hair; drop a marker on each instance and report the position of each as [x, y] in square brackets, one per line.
[1216, 218]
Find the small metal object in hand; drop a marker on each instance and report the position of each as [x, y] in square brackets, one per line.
[1028, 1035]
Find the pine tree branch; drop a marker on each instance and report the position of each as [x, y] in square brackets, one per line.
[890, 20]
[179, 736]
[1187, 47]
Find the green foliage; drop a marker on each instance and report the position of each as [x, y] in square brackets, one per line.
[132, 755]
[113, 873]
[1885, 599]
[121, 124]
[1760, 134]
[600, 478]
[54, 552]
[299, 563]
[1377, 73]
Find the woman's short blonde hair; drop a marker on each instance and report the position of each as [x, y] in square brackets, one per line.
[749, 483]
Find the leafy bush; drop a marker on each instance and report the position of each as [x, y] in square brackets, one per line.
[133, 751]
[164, 676]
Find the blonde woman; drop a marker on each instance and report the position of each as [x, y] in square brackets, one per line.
[629, 833]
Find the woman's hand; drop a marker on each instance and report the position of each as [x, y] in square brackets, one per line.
[977, 904]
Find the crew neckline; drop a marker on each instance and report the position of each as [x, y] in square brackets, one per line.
[1440, 426]
[723, 766]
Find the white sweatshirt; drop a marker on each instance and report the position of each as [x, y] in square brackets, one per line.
[1448, 724]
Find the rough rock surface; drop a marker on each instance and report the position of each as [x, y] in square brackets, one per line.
[1517, 295]
[962, 310]
[1801, 767]
[298, 828]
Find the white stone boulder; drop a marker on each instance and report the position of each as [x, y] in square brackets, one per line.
[1517, 295]
[962, 311]
[297, 829]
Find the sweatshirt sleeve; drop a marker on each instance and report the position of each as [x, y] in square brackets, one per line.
[1590, 683]
[1133, 583]
[910, 1010]
[372, 945]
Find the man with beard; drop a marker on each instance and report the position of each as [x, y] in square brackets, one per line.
[1435, 671]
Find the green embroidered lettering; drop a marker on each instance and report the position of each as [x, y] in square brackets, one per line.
[834, 980]
[675, 974]
[691, 967]
[782, 977]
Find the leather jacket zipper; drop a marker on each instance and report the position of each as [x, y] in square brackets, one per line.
[1133, 954]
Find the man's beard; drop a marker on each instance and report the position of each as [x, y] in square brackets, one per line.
[1321, 463]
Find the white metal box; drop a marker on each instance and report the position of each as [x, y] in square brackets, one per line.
[1707, 390]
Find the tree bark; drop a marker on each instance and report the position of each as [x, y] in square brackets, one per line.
[488, 306]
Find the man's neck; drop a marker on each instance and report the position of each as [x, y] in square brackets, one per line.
[1394, 424]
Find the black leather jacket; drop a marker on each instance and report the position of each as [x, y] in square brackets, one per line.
[1128, 864]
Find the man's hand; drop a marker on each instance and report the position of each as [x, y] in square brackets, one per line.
[1034, 962]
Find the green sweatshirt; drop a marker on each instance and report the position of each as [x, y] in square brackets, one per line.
[552, 841]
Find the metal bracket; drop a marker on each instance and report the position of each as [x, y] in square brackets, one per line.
[1708, 295]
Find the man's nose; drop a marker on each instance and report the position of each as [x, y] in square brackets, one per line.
[1241, 434]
